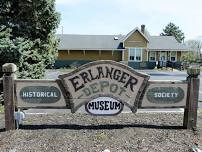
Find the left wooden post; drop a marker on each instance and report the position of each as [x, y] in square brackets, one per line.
[9, 70]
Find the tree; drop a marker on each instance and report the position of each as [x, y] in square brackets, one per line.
[172, 30]
[195, 46]
[194, 53]
[189, 57]
[27, 35]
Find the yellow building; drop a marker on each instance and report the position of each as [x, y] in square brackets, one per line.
[138, 49]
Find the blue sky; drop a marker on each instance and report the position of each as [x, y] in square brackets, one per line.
[122, 16]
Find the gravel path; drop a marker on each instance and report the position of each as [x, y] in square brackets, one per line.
[143, 132]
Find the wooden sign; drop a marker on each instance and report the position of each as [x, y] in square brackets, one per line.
[106, 79]
[165, 94]
[40, 94]
[104, 106]
[104, 88]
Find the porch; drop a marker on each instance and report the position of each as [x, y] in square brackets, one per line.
[157, 58]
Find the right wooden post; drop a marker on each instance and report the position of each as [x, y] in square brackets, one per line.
[190, 112]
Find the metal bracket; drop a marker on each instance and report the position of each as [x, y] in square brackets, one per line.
[19, 117]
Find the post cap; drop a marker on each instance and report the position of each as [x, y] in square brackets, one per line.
[9, 68]
[193, 70]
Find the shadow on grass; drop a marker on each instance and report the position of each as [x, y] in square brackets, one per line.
[97, 127]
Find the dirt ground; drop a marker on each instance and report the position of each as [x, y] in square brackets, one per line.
[141, 132]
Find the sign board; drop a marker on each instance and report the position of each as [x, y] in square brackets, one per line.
[104, 81]
[165, 94]
[40, 93]
[103, 88]
[104, 106]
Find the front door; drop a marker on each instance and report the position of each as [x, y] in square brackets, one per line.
[163, 58]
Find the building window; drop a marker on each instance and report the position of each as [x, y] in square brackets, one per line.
[135, 54]
[173, 56]
[152, 56]
[131, 55]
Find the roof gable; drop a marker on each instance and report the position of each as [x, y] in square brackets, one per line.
[132, 32]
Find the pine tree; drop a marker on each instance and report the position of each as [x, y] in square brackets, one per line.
[172, 30]
[27, 35]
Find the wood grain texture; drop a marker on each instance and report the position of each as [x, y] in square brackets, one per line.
[8, 91]
[190, 113]
[9, 106]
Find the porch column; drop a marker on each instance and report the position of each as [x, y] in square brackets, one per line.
[123, 55]
[157, 55]
[168, 55]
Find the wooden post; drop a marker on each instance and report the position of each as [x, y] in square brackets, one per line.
[190, 113]
[8, 90]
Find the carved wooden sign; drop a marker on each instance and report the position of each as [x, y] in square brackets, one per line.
[103, 88]
[104, 106]
[40, 93]
[103, 83]
[165, 94]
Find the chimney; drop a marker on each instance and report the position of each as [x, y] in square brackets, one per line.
[143, 28]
